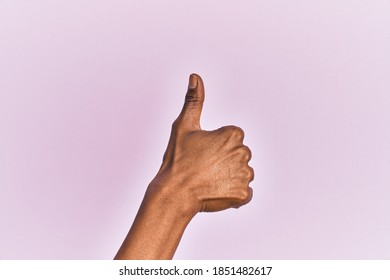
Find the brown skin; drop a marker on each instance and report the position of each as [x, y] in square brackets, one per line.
[202, 171]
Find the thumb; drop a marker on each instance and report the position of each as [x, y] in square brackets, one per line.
[189, 118]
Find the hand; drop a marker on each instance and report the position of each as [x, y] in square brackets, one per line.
[203, 170]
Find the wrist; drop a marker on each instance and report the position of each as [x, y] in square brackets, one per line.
[157, 227]
[171, 198]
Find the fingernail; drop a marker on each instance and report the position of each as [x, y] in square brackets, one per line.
[193, 82]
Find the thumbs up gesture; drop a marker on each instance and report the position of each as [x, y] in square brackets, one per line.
[203, 171]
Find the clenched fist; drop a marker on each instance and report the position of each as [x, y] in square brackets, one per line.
[201, 171]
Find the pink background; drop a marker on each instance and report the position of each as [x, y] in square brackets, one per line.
[89, 89]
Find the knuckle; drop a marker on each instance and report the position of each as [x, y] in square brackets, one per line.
[244, 195]
[233, 131]
[237, 132]
[248, 174]
[251, 174]
[246, 153]
[224, 129]
[191, 98]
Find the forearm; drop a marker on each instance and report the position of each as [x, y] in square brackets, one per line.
[156, 230]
